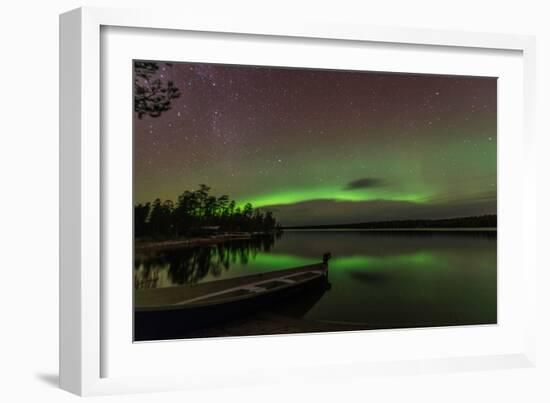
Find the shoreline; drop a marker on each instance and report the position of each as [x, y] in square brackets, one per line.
[215, 239]
[269, 323]
[193, 242]
[272, 323]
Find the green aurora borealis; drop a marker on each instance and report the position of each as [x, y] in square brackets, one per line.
[324, 147]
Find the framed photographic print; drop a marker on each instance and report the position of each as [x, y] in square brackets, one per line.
[273, 200]
[236, 196]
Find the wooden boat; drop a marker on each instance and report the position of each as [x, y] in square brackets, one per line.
[171, 312]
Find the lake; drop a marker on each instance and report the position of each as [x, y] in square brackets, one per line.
[379, 279]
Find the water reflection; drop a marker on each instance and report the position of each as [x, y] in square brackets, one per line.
[191, 265]
[379, 279]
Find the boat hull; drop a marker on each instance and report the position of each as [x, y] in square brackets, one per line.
[176, 322]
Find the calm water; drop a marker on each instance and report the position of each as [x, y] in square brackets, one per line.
[378, 279]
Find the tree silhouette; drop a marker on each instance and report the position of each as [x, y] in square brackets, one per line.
[152, 96]
[198, 212]
[141, 214]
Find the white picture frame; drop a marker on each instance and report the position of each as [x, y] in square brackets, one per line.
[83, 173]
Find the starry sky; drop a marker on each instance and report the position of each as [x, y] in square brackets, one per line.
[324, 146]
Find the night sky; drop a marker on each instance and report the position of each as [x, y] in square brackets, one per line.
[324, 147]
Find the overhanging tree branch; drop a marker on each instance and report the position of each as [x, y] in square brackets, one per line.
[152, 96]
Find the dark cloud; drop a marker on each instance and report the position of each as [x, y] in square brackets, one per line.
[364, 183]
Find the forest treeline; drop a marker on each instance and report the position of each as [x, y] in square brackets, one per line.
[198, 212]
[485, 221]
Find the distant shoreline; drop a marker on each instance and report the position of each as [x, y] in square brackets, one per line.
[471, 223]
[343, 229]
